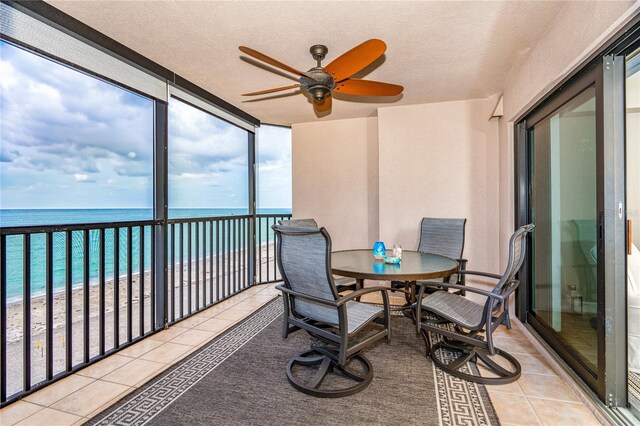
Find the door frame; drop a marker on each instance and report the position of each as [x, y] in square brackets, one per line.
[611, 131]
[582, 81]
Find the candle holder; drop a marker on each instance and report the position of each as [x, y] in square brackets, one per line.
[379, 250]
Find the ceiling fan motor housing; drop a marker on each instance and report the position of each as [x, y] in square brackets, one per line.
[321, 84]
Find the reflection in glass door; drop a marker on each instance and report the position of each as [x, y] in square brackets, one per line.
[633, 224]
[564, 209]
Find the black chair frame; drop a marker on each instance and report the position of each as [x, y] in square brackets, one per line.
[469, 342]
[328, 359]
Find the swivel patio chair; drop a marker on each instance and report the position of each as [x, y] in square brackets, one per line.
[342, 283]
[334, 366]
[444, 237]
[459, 321]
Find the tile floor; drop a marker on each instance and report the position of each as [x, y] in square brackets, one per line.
[540, 396]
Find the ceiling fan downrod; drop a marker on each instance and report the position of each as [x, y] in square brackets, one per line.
[319, 51]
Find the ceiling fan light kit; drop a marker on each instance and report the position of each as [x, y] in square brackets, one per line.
[320, 81]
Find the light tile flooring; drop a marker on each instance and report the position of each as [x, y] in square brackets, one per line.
[539, 397]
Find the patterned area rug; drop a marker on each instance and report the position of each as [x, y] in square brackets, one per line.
[239, 378]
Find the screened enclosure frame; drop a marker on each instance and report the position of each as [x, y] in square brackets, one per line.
[107, 60]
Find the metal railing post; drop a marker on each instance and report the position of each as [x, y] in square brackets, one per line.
[160, 213]
[252, 208]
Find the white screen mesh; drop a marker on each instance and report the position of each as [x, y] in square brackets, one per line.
[39, 35]
[196, 101]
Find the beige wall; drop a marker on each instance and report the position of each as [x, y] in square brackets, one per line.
[440, 160]
[335, 178]
[369, 178]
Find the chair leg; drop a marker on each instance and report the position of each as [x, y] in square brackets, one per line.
[418, 310]
[507, 317]
[427, 342]
[285, 317]
[328, 364]
[472, 353]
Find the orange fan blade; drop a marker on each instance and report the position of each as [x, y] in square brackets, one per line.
[353, 86]
[355, 59]
[324, 106]
[277, 89]
[274, 62]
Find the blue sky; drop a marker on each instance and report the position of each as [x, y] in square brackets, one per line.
[68, 140]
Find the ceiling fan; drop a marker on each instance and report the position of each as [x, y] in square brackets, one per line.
[336, 77]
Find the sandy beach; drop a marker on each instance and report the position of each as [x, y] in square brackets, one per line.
[14, 323]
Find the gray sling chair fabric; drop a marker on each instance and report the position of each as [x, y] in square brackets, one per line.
[342, 283]
[312, 303]
[445, 237]
[470, 319]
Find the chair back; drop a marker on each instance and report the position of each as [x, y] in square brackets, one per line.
[517, 252]
[442, 236]
[304, 223]
[304, 256]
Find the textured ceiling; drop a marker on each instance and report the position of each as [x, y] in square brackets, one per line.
[439, 51]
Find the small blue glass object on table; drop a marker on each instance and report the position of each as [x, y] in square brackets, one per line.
[379, 250]
[393, 260]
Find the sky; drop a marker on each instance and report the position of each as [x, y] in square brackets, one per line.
[69, 140]
[274, 167]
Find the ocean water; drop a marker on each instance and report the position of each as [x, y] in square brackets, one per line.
[15, 244]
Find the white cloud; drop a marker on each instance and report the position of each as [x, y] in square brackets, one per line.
[208, 160]
[68, 138]
[61, 127]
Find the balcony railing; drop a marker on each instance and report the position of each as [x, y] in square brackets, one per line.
[73, 294]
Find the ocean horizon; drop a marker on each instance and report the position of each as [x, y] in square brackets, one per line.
[43, 217]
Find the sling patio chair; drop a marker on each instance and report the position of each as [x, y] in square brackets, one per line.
[444, 237]
[334, 366]
[342, 283]
[460, 321]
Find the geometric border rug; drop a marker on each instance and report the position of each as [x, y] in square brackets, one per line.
[458, 402]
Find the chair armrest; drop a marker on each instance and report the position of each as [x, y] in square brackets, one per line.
[465, 288]
[344, 299]
[482, 274]
[290, 292]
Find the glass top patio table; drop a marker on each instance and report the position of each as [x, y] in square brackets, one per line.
[361, 264]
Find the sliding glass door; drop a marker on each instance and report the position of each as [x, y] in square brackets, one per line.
[563, 192]
[564, 209]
